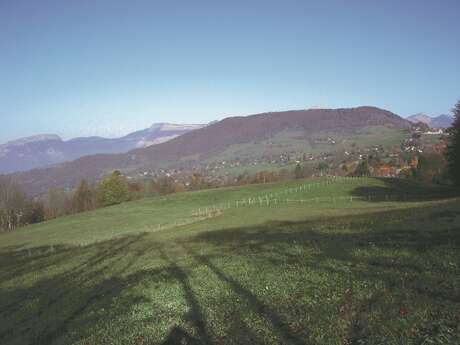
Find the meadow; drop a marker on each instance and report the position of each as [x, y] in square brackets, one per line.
[318, 261]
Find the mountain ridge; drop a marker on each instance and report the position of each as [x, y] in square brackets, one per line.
[33, 139]
[47, 149]
[200, 144]
[440, 121]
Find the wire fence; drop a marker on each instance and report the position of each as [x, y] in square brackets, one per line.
[286, 196]
[280, 197]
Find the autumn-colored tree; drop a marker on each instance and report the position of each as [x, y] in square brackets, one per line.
[83, 197]
[13, 203]
[430, 167]
[165, 185]
[179, 187]
[138, 190]
[16, 209]
[264, 177]
[197, 182]
[362, 169]
[57, 203]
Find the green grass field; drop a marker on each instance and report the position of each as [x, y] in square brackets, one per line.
[321, 261]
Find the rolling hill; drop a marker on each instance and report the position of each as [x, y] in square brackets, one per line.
[44, 150]
[213, 140]
[317, 261]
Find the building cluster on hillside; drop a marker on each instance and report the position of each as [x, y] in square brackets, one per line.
[383, 161]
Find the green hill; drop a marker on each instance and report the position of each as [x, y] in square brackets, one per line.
[323, 141]
[247, 137]
[321, 261]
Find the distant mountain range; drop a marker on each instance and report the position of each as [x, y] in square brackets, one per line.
[48, 149]
[210, 142]
[441, 121]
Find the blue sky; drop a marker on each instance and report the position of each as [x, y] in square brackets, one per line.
[92, 67]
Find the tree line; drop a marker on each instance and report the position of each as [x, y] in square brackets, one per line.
[17, 209]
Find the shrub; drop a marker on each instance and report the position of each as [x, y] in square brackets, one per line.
[113, 190]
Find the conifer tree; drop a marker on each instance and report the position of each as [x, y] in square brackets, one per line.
[453, 148]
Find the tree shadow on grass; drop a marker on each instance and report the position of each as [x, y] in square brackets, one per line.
[41, 259]
[280, 327]
[62, 307]
[45, 311]
[89, 287]
[177, 334]
[395, 189]
[404, 229]
[417, 233]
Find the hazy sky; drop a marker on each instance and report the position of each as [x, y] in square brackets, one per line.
[92, 67]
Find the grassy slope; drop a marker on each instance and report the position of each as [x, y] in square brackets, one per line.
[315, 143]
[325, 271]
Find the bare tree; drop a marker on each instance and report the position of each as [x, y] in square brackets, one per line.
[13, 204]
